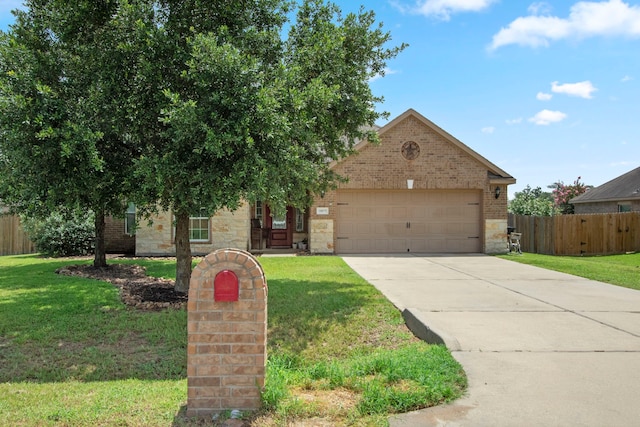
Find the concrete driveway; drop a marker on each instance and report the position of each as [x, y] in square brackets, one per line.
[540, 348]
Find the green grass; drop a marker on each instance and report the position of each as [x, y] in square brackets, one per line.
[71, 354]
[620, 270]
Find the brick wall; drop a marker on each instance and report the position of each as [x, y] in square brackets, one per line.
[116, 241]
[226, 351]
[604, 207]
[440, 165]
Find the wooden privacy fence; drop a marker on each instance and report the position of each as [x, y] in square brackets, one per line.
[13, 240]
[588, 234]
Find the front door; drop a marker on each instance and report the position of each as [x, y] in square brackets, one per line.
[281, 228]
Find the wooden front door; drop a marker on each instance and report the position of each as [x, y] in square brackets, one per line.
[280, 228]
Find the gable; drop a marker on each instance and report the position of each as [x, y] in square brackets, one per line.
[441, 161]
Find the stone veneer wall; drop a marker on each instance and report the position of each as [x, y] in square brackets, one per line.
[227, 341]
[227, 230]
[495, 236]
[441, 165]
[321, 236]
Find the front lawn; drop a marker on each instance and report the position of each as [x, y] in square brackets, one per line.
[621, 270]
[72, 354]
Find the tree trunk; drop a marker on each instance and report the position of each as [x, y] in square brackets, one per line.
[183, 253]
[100, 258]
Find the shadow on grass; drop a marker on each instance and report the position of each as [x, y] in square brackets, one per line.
[59, 328]
[301, 311]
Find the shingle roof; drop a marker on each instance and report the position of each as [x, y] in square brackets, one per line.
[624, 187]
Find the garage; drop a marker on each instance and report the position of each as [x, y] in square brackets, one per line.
[395, 221]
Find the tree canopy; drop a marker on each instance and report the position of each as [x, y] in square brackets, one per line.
[532, 202]
[210, 104]
[63, 139]
[563, 193]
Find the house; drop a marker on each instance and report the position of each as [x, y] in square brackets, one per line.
[118, 235]
[419, 190]
[621, 194]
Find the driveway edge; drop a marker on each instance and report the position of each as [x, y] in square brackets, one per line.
[425, 329]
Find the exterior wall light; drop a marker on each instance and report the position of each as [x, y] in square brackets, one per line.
[497, 191]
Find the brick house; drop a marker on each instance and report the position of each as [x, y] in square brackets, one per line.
[419, 190]
[118, 238]
[621, 194]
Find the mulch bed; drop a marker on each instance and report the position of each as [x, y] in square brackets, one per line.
[137, 290]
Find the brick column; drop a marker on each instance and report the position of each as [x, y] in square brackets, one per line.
[226, 353]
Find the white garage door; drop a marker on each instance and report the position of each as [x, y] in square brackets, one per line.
[408, 221]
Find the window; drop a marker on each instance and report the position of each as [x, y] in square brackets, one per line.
[279, 222]
[259, 212]
[626, 207]
[130, 220]
[199, 228]
[299, 220]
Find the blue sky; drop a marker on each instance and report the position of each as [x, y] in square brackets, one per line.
[548, 91]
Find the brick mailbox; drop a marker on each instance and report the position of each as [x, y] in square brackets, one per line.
[227, 325]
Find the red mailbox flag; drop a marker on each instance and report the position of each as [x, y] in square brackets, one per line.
[226, 286]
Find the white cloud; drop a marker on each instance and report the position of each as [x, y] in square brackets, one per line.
[622, 163]
[546, 117]
[540, 8]
[541, 96]
[514, 121]
[626, 79]
[581, 89]
[586, 19]
[488, 129]
[443, 9]
[387, 72]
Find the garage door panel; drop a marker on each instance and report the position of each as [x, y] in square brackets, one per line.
[401, 220]
[463, 245]
[345, 228]
[417, 212]
[435, 244]
[399, 212]
[419, 245]
[365, 213]
[418, 228]
[364, 229]
[398, 245]
[471, 229]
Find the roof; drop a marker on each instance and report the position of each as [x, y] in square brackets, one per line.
[496, 175]
[624, 187]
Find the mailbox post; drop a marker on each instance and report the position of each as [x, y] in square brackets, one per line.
[227, 326]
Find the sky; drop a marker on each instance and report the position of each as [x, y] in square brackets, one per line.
[548, 91]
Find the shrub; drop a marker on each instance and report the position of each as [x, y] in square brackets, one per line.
[62, 235]
[532, 202]
[563, 194]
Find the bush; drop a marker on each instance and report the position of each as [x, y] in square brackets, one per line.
[62, 235]
[532, 202]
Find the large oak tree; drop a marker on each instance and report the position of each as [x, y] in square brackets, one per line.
[245, 113]
[63, 94]
[218, 102]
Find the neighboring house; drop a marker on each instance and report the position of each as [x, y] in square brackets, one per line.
[621, 194]
[419, 190]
